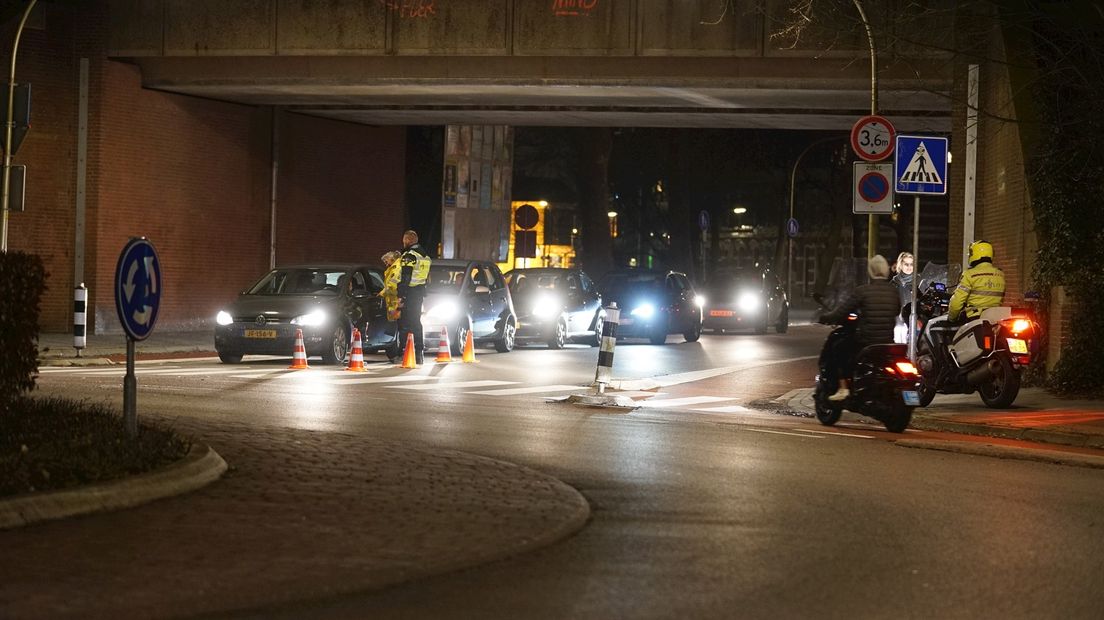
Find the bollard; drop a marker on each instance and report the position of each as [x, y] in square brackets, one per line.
[80, 314]
[604, 372]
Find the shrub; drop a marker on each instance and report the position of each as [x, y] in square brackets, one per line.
[22, 282]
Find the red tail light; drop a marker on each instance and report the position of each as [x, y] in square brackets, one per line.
[906, 368]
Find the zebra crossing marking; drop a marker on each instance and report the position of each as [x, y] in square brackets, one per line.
[682, 402]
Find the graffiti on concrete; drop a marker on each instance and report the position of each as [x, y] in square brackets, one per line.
[573, 8]
[411, 8]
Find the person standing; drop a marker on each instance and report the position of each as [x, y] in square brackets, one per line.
[904, 269]
[414, 271]
[390, 295]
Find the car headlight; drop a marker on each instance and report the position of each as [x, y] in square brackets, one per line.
[643, 311]
[443, 311]
[311, 319]
[749, 301]
[545, 307]
[699, 300]
[223, 318]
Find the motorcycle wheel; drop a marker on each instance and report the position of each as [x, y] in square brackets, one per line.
[927, 394]
[1003, 389]
[826, 413]
[899, 417]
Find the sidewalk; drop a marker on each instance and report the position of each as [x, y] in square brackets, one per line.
[1035, 416]
[57, 349]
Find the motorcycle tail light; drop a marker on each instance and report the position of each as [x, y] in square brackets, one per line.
[1020, 325]
[906, 368]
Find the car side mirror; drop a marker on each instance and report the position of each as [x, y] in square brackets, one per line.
[482, 289]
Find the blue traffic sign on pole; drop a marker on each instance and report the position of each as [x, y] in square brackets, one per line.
[138, 288]
[920, 166]
[703, 220]
[791, 227]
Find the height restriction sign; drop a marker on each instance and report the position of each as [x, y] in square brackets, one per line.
[872, 138]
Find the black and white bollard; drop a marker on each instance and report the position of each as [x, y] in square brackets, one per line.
[604, 372]
[80, 317]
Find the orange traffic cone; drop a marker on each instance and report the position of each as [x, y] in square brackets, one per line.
[444, 350]
[469, 348]
[299, 358]
[409, 360]
[356, 358]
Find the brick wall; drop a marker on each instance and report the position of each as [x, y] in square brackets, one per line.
[191, 174]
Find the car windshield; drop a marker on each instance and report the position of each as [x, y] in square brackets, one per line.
[445, 279]
[299, 281]
[618, 283]
[726, 280]
[527, 283]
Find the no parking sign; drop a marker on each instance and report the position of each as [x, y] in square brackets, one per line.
[872, 189]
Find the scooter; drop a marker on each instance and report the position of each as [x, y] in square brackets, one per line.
[986, 354]
[884, 384]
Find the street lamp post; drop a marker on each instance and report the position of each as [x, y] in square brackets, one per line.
[6, 191]
[790, 241]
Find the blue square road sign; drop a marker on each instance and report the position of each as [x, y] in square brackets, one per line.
[920, 165]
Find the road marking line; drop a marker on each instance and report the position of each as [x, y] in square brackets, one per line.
[763, 430]
[681, 402]
[394, 379]
[809, 430]
[528, 390]
[458, 384]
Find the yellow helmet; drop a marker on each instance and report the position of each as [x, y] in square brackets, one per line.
[980, 250]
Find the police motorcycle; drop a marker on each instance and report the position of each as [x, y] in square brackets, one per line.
[986, 354]
[883, 385]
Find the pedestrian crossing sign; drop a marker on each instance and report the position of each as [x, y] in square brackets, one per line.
[920, 166]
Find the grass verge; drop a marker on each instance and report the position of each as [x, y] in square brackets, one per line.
[56, 443]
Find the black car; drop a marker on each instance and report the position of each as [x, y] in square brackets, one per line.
[468, 295]
[556, 305]
[745, 299]
[653, 304]
[325, 301]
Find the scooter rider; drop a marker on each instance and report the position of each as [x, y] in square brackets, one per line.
[877, 305]
[981, 286]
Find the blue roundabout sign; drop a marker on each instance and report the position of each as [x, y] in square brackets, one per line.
[138, 288]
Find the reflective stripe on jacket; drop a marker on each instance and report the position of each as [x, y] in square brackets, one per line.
[980, 287]
[414, 264]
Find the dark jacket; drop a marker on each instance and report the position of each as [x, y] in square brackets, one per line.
[877, 304]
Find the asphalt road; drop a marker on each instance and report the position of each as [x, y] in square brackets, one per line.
[703, 506]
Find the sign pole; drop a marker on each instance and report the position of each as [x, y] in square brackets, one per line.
[915, 274]
[130, 393]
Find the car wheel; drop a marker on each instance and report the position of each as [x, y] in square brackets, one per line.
[338, 347]
[229, 358]
[596, 341]
[783, 321]
[693, 334]
[761, 328]
[457, 345]
[505, 344]
[559, 335]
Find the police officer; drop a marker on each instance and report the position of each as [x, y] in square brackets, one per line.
[981, 286]
[414, 264]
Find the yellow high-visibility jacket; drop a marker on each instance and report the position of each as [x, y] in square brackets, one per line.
[390, 292]
[980, 287]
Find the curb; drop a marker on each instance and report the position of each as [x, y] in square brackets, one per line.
[201, 466]
[1006, 452]
[1023, 434]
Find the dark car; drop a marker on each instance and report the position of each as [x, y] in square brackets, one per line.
[745, 299]
[325, 301]
[468, 295]
[653, 304]
[555, 306]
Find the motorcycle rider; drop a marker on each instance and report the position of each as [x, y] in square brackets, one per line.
[981, 286]
[877, 305]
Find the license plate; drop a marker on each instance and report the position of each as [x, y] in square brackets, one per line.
[721, 313]
[260, 333]
[625, 321]
[1015, 345]
[912, 398]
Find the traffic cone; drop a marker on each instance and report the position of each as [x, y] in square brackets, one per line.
[299, 358]
[356, 358]
[409, 360]
[469, 349]
[444, 350]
